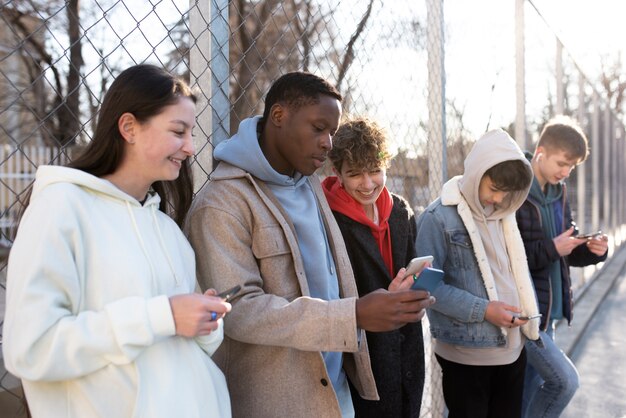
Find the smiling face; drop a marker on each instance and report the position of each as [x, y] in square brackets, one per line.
[552, 166]
[298, 138]
[364, 185]
[159, 145]
[489, 194]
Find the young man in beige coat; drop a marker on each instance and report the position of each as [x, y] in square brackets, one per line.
[295, 333]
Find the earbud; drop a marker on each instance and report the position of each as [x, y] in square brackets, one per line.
[539, 156]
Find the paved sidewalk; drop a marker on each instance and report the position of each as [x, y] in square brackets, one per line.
[597, 344]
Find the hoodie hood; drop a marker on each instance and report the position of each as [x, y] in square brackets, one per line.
[492, 148]
[48, 174]
[243, 151]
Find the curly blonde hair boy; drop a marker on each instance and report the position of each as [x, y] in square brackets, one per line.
[361, 143]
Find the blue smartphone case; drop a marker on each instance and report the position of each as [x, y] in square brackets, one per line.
[429, 279]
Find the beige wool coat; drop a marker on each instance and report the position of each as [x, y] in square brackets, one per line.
[274, 336]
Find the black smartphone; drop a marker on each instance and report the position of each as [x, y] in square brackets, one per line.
[228, 294]
[526, 318]
[588, 236]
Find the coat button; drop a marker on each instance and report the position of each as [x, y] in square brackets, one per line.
[324, 382]
[409, 375]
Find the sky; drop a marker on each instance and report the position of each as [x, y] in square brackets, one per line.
[480, 52]
[590, 28]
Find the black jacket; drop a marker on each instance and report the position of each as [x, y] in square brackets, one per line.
[541, 253]
[397, 356]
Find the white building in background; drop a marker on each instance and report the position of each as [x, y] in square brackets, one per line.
[22, 94]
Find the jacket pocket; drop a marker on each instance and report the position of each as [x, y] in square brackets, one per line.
[269, 242]
[275, 262]
[461, 249]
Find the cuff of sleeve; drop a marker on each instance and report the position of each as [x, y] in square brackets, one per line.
[343, 322]
[479, 310]
[210, 343]
[160, 316]
[551, 250]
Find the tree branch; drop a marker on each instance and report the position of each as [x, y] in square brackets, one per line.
[348, 58]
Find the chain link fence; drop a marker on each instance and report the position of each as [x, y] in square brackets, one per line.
[57, 59]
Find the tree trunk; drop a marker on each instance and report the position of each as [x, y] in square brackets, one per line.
[69, 111]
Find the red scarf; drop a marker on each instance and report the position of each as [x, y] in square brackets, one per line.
[340, 201]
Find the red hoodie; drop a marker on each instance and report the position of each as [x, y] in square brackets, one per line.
[340, 201]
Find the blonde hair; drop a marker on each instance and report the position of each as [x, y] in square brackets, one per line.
[563, 133]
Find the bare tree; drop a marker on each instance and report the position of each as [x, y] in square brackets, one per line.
[61, 113]
[348, 57]
[613, 80]
[260, 49]
[459, 140]
[272, 37]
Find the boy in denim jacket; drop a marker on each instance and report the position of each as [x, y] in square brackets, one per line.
[477, 322]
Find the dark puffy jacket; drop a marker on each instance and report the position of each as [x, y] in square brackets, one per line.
[541, 253]
[397, 356]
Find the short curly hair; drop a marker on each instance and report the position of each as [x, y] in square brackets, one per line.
[361, 143]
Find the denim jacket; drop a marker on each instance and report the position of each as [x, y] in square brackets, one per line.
[447, 231]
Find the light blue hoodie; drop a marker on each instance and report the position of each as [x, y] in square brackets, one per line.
[298, 200]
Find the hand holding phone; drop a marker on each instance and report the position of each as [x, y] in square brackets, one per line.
[588, 236]
[429, 279]
[526, 318]
[417, 264]
[229, 294]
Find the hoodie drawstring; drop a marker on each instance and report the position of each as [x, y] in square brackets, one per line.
[167, 255]
[329, 257]
[143, 246]
[141, 243]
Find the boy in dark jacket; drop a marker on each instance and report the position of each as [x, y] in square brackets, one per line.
[378, 228]
[545, 222]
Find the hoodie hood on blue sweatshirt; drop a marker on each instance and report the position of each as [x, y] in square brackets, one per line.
[298, 200]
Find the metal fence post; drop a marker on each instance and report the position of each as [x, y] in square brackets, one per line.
[581, 175]
[560, 86]
[520, 74]
[437, 161]
[220, 102]
[595, 161]
[614, 175]
[200, 77]
[607, 144]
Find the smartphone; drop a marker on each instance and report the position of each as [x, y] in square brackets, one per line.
[417, 264]
[526, 318]
[227, 295]
[429, 279]
[588, 236]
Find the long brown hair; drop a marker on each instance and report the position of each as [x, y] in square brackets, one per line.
[142, 90]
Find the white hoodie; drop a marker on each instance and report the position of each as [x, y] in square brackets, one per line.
[88, 326]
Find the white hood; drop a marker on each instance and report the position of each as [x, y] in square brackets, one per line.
[47, 175]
